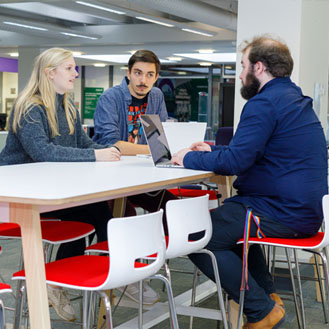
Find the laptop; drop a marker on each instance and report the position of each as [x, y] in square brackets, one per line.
[157, 141]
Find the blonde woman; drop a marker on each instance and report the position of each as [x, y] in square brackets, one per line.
[45, 126]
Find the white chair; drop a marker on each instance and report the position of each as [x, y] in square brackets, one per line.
[129, 239]
[315, 245]
[184, 218]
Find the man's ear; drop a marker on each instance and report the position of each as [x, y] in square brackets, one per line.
[128, 74]
[259, 68]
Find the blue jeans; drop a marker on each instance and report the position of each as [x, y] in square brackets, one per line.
[228, 227]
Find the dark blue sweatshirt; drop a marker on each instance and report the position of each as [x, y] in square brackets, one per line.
[279, 155]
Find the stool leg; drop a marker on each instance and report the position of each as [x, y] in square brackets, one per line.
[323, 256]
[173, 315]
[218, 284]
[293, 288]
[107, 304]
[195, 281]
[140, 309]
[2, 316]
[242, 294]
[321, 287]
[300, 289]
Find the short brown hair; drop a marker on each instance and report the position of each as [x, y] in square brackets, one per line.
[274, 54]
[146, 56]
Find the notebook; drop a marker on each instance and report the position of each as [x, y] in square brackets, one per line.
[157, 141]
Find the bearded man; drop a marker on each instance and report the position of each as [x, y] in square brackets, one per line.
[279, 156]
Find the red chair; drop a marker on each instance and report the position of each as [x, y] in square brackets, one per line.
[53, 232]
[99, 273]
[4, 288]
[315, 245]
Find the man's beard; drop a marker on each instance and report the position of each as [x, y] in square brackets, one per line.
[251, 87]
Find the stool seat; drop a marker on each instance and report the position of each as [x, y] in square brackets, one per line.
[193, 193]
[312, 242]
[4, 288]
[52, 231]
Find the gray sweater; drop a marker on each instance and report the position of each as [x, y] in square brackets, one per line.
[33, 141]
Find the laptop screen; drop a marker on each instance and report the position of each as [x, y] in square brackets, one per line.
[156, 138]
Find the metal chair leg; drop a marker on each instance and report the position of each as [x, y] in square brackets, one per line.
[242, 294]
[140, 308]
[300, 289]
[218, 284]
[195, 281]
[173, 315]
[293, 288]
[107, 304]
[321, 287]
[2, 316]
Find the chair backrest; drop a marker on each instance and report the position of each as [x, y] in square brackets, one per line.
[224, 135]
[186, 217]
[325, 209]
[131, 239]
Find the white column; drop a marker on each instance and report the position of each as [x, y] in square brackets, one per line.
[25, 65]
[304, 26]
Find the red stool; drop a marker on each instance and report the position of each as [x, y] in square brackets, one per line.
[315, 245]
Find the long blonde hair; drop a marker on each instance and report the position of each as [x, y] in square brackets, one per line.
[40, 91]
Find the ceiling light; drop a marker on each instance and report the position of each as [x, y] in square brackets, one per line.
[78, 35]
[76, 53]
[154, 21]
[175, 58]
[206, 51]
[181, 73]
[13, 54]
[121, 58]
[215, 57]
[205, 64]
[132, 51]
[100, 7]
[198, 32]
[124, 68]
[99, 64]
[26, 26]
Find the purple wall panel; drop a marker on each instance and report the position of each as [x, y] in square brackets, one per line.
[8, 65]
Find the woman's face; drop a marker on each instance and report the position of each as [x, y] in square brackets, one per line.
[63, 76]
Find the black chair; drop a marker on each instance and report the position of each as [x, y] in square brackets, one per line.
[224, 135]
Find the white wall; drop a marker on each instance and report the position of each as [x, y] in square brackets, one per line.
[304, 26]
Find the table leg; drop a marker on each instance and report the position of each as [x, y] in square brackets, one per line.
[28, 217]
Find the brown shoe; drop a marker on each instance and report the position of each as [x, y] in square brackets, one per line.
[273, 320]
[275, 297]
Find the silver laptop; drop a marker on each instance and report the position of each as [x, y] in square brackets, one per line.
[157, 141]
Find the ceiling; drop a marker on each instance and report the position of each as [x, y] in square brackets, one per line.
[92, 29]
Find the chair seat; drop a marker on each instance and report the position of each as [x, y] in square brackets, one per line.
[193, 193]
[306, 243]
[4, 287]
[79, 272]
[52, 231]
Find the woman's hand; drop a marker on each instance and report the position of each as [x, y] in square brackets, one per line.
[200, 146]
[108, 154]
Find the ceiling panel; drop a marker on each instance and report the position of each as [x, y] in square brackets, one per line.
[94, 30]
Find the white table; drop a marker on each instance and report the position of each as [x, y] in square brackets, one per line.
[29, 189]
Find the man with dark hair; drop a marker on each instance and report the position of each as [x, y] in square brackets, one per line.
[279, 155]
[117, 122]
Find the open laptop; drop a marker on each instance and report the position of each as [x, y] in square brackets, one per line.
[157, 141]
